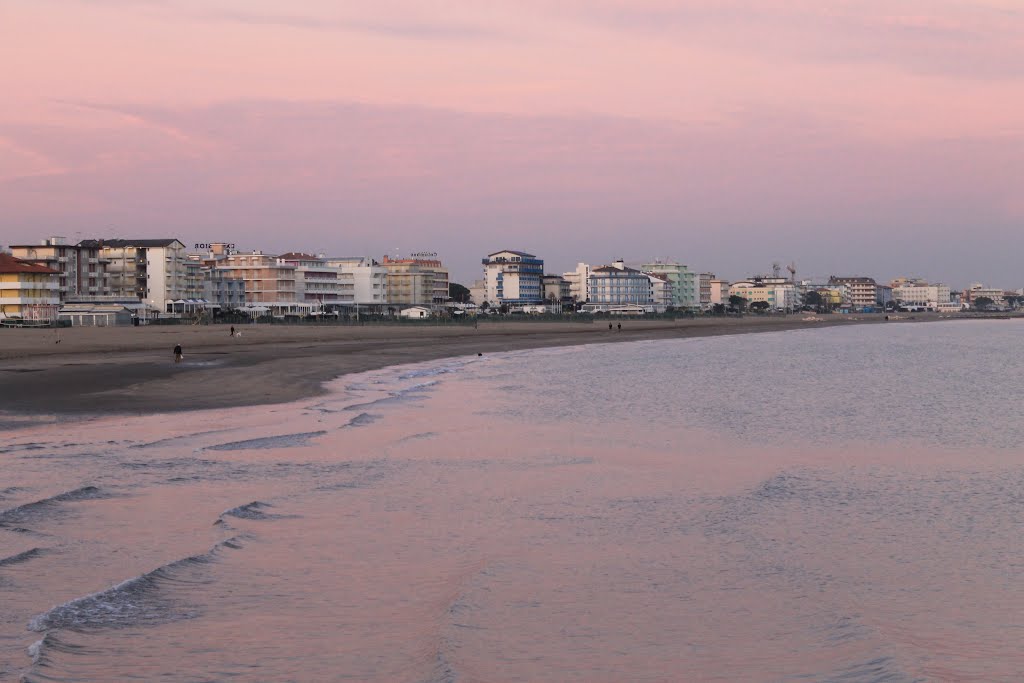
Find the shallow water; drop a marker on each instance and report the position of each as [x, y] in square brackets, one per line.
[826, 505]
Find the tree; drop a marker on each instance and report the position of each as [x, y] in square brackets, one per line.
[484, 306]
[503, 309]
[813, 298]
[718, 309]
[738, 302]
[760, 306]
[982, 303]
[458, 293]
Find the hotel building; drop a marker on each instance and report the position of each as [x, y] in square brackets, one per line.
[28, 291]
[152, 271]
[81, 272]
[513, 277]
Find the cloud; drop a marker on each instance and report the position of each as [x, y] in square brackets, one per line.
[352, 177]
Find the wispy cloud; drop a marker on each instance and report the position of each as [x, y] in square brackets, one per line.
[416, 30]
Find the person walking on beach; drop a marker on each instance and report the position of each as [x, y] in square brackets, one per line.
[178, 355]
[620, 327]
[232, 330]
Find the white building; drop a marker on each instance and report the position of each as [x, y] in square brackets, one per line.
[363, 281]
[513, 277]
[977, 291]
[415, 312]
[579, 283]
[152, 270]
[662, 291]
[316, 283]
[929, 296]
[616, 286]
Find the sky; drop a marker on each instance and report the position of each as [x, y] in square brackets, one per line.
[853, 137]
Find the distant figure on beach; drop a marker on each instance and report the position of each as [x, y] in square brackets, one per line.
[620, 327]
[232, 330]
[609, 327]
[178, 355]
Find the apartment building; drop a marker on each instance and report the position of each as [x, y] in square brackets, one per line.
[513, 277]
[28, 290]
[579, 282]
[685, 293]
[861, 292]
[81, 273]
[316, 283]
[153, 271]
[269, 284]
[364, 282]
[920, 294]
[556, 289]
[617, 285]
[417, 281]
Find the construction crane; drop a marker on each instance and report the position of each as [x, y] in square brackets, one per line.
[792, 271]
[776, 269]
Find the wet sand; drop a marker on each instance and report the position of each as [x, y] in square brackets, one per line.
[129, 370]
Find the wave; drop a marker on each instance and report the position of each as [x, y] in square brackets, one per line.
[281, 441]
[21, 513]
[253, 510]
[361, 420]
[21, 557]
[139, 601]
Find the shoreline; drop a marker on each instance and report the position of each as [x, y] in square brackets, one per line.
[129, 370]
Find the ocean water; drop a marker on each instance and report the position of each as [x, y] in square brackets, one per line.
[842, 504]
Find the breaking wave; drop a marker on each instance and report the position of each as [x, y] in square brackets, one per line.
[139, 601]
[253, 510]
[282, 441]
[21, 557]
[24, 512]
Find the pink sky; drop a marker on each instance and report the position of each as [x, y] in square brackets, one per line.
[881, 137]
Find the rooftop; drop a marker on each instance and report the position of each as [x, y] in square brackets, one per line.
[120, 243]
[9, 264]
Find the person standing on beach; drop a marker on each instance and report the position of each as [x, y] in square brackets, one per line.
[620, 327]
[178, 355]
[232, 331]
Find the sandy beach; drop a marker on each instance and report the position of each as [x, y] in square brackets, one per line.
[130, 370]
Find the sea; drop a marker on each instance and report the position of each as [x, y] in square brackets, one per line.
[837, 504]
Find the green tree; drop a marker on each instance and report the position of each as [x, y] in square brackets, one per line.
[458, 293]
[982, 303]
[738, 302]
[718, 309]
[813, 298]
[760, 306]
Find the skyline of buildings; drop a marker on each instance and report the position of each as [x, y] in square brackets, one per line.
[148, 277]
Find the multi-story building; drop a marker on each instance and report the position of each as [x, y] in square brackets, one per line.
[920, 294]
[977, 291]
[364, 282]
[222, 290]
[704, 281]
[153, 271]
[418, 281]
[719, 294]
[780, 294]
[28, 290]
[685, 292]
[862, 292]
[269, 283]
[556, 289]
[316, 283]
[617, 286]
[513, 277]
[662, 291]
[579, 283]
[81, 271]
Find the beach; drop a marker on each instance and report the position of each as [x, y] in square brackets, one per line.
[130, 370]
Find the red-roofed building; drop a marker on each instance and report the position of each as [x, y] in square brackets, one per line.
[27, 290]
